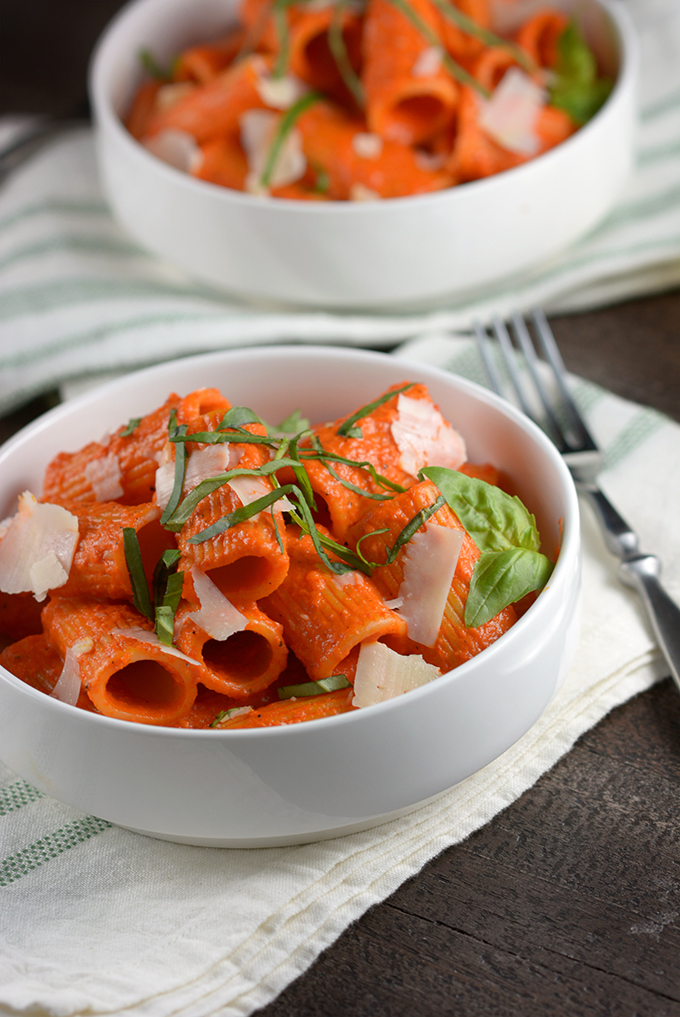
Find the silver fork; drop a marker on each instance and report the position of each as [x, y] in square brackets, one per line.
[567, 429]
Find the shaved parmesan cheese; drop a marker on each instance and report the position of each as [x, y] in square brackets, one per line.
[144, 636]
[208, 462]
[201, 465]
[367, 146]
[168, 95]
[104, 477]
[424, 438]
[164, 483]
[217, 616]
[67, 688]
[280, 92]
[359, 192]
[38, 547]
[395, 604]
[430, 560]
[382, 674]
[177, 148]
[249, 489]
[428, 63]
[510, 115]
[258, 131]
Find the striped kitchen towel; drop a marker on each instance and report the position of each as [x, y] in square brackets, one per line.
[77, 298]
[96, 919]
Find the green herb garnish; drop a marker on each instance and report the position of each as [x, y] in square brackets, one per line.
[167, 593]
[285, 126]
[174, 434]
[152, 67]
[471, 27]
[336, 44]
[347, 427]
[293, 424]
[141, 598]
[331, 684]
[450, 65]
[575, 86]
[510, 565]
[130, 427]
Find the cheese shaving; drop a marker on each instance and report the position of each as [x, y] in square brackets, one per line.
[37, 549]
[359, 192]
[258, 131]
[277, 93]
[217, 616]
[367, 146]
[424, 438]
[429, 561]
[176, 148]
[428, 62]
[201, 465]
[68, 684]
[104, 476]
[383, 674]
[141, 635]
[510, 115]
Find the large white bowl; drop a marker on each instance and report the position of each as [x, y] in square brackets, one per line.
[393, 253]
[326, 777]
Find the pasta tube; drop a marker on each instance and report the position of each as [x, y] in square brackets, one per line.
[127, 673]
[409, 96]
[324, 615]
[243, 663]
[122, 468]
[293, 711]
[454, 643]
[99, 567]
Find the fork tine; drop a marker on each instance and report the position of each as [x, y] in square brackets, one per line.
[525, 341]
[503, 336]
[552, 354]
[484, 347]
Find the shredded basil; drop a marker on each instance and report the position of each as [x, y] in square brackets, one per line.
[336, 44]
[180, 469]
[470, 27]
[153, 68]
[141, 598]
[130, 427]
[348, 424]
[285, 126]
[331, 684]
[450, 65]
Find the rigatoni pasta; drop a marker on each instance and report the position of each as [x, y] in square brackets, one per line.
[268, 568]
[370, 100]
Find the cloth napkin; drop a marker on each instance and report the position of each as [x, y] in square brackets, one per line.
[78, 298]
[97, 919]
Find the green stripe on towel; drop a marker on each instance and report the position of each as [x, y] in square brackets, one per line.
[51, 846]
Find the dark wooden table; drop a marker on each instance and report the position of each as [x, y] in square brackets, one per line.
[568, 903]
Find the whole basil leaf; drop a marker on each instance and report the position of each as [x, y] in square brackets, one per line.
[496, 521]
[501, 578]
[575, 86]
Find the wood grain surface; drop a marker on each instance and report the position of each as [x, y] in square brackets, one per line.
[568, 902]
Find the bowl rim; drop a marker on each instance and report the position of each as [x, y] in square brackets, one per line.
[109, 122]
[568, 556]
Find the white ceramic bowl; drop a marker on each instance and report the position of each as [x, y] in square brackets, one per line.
[326, 777]
[395, 253]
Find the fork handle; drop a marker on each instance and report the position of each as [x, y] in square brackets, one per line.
[641, 571]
